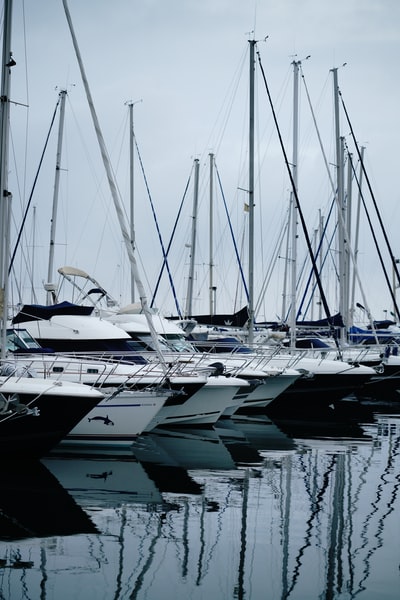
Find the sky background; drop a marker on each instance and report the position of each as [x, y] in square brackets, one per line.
[184, 64]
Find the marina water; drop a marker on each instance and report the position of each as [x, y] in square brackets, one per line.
[250, 509]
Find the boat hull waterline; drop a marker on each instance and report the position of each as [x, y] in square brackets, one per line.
[54, 409]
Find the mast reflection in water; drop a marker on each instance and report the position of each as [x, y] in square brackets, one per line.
[249, 510]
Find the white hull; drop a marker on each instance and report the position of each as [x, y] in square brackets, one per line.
[118, 420]
[264, 393]
[321, 366]
[204, 407]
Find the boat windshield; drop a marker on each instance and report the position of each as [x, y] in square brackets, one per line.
[178, 343]
[20, 339]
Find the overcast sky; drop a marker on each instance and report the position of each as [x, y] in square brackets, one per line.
[185, 66]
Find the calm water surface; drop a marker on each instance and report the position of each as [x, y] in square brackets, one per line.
[250, 509]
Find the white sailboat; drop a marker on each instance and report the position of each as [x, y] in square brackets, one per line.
[263, 381]
[185, 402]
[134, 390]
[324, 380]
[35, 414]
[66, 332]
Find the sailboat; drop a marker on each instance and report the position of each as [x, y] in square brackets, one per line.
[133, 393]
[64, 334]
[35, 414]
[194, 395]
[134, 389]
[266, 382]
[262, 382]
[324, 380]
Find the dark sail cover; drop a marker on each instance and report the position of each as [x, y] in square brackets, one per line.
[237, 319]
[39, 312]
[335, 321]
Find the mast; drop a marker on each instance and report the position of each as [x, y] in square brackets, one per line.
[315, 247]
[131, 191]
[251, 193]
[212, 288]
[50, 285]
[348, 244]
[33, 294]
[321, 242]
[357, 231]
[132, 186]
[5, 195]
[115, 196]
[292, 319]
[340, 205]
[344, 238]
[285, 268]
[189, 298]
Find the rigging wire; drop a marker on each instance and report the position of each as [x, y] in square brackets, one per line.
[326, 256]
[103, 239]
[32, 190]
[394, 264]
[24, 258]
[232, 234]
[334, 190]
[159, 233]
[300, 212]
[269, 271]
[375, 240]
[168, 249]
[317, 254]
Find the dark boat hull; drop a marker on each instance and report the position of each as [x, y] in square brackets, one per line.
[384, 384]
[309, 394]
[32, 436]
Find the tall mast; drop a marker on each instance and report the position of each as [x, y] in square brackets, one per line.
[292, 318]
[114, 193]
[321, 254]
[340, 202]
[251, 193]
[211, 238]
[342, 239]
[356, 234]
[33, 258]
[5, 195]
[189, 298]
[50, 286]
[348, 234]
[286, 264]
[132, 186]
[131, 191]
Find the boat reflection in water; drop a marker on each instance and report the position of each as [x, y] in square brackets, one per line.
[298, 515]
[33, 504]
